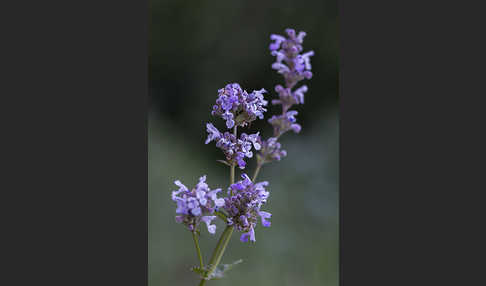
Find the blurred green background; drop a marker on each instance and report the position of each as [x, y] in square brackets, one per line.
[197, 47]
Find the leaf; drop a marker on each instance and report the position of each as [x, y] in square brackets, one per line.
[224, 162]
[199, 270]
[219, 272]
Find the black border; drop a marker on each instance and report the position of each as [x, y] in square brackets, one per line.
[408, 115]
[77, 152]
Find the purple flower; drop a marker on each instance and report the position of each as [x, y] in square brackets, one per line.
[284, 123]
[192, 205]
[243, 206]
[270, 151]
[287, 97]
[207, 220]
[299, 94]
[293, 65]
[255, 138]
[264, 216]
[213, 133]
[278, 41]
[237, 107]
[250, 234]
[234, 149]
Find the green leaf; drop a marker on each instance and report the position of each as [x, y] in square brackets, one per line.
[224, 162]
[199, 270]
[219, 272]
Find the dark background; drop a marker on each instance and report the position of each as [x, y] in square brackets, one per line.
[197, 47]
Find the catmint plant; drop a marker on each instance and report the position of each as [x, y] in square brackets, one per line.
[243, 206]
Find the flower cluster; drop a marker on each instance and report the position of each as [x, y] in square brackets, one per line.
[285, 122]
[237, 107]
[287, 98]
[235, 149]
[194, 205]
[271, 151]
[243, 206]
[293, 65]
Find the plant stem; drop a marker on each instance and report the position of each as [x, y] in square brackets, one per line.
[203, 281]
[256, 172]
[199, 256]
[232, 168]
[219, 250]
[221, 215]
[232, 175]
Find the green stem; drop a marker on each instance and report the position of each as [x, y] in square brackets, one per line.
[221, 215]
[219, 251]
[256, 172]
[232, 168]
[220, 248]
[232, 175]
[199, 256]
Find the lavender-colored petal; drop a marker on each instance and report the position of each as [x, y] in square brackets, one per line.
[290, 32]
[252, 234]
[264, 216]
[213, 133]
[300, 37]
[179, 219]
[212, 194]
[181, 208]
[207, 220]
[241, 163]
[180, 185]
[237, 186]
[175, 193]
[230, 123]
[244, 220]
[281, 68]
[276, 37]
[219, 202]
[291, 115]
[246, 180]
[300, 93]
[244, 237]
[196, 211]
[306, 58]
[296, 127]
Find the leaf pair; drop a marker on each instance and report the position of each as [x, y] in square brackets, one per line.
[218, 273]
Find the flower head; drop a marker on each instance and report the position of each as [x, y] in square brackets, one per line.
[194, 205]
[237, 107]
[293, 65]
[243, 206]
[287, 97]
[284, 123]
[235, 149]
[271, 151]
